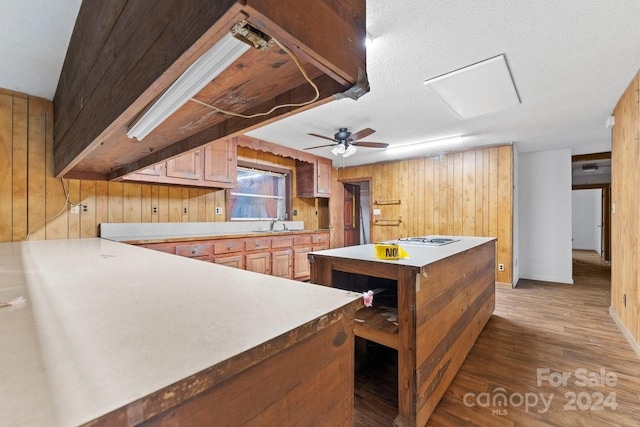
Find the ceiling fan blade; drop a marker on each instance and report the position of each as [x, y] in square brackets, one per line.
[322, 136]
[371, 144]
[320, 146]
[362, 134]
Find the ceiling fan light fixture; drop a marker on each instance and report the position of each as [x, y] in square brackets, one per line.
[338, 149]
[351, 149]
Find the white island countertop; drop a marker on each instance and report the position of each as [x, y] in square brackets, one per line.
[419, 255]
[105, 324]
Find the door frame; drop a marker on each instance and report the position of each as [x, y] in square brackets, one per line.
[605, 241]
[368, 179]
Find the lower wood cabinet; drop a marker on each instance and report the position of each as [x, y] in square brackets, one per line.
[260, 262]
[280, 255]
[301, 262]
[282, 263]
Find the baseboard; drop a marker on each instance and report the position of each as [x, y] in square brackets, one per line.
[634, 345]
[547, 279]
[504, 285]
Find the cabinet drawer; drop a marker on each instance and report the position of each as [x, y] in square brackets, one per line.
[319, 238]
[228, 246]
[257, 244]
[282, 242]
[320, 247]
[302, 239]
[168, 248]
[199, 250]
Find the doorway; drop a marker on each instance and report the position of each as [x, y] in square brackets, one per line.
[357, 222]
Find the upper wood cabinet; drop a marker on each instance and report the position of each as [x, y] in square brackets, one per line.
[313, 179]
[187, 166]
[221, 163]
[213, 166]
[115, 71]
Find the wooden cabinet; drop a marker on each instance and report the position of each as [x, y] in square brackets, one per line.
[188, 166]
[280, 255]
[301, 268]
[282, 263]
[221, 163]
[313, 179]
[260, 262]
[213, 166]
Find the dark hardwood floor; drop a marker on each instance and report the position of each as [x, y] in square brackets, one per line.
[539, 333]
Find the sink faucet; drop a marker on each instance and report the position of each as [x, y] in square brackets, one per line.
[273, 222]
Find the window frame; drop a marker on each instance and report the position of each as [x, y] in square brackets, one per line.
[288, 179]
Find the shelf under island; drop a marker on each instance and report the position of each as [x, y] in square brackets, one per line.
[443, 295]
[112, 334]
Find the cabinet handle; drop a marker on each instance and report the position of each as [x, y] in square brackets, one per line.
[229, 247]
[193, 251]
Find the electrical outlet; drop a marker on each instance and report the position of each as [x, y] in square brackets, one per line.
[500, 267]
[185, 210]
[85, 208]
[154, 210]
[75, 210]
[218, 210]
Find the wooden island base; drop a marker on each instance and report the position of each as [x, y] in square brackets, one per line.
[443, 305]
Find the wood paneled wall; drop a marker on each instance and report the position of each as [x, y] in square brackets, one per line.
[29, 193]
[466, 193]
[625, 228]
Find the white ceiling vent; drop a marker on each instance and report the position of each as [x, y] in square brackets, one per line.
[476, 90]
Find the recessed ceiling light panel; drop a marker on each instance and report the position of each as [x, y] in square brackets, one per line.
[476, 90]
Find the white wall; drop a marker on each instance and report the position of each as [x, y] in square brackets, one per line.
[544, 209]
[586, 206]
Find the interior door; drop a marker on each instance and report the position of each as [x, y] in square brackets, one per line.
[351, 215]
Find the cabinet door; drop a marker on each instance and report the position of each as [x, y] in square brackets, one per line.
[323, 179]
[220, 163]
[282, 263]
[301, 268]
[260, 262]
[235, 261]
[187, 166]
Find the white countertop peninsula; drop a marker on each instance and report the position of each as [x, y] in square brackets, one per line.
[106, 325]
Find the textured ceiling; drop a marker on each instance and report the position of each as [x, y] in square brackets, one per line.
[34, 35]
[570, 61]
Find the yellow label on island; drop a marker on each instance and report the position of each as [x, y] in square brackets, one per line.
[390, 251]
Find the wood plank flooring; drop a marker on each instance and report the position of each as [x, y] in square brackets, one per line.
[539, 332]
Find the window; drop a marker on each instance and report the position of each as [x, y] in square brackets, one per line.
[260, 194]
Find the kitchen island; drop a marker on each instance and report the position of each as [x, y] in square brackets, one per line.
[444, 295]
[112, 334]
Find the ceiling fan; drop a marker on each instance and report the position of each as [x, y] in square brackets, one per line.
[346, 143]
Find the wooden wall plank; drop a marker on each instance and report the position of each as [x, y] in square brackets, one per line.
[458, 193]
[116, 202]
[102, 203]
[19, 165]
[194, 205]
[505, 215]
[175, 204]
[36, 212]
[435, 194]
[469, 193]
[74, 219]
[6, 168]
[485, 194]
[132, 203]
[493, 192]
[479, 191]
[146, 202]
[88, 226]
[164, 208]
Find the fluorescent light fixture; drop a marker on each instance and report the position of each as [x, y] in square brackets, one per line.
[450, 142]
[206, 68]
[476, 90]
